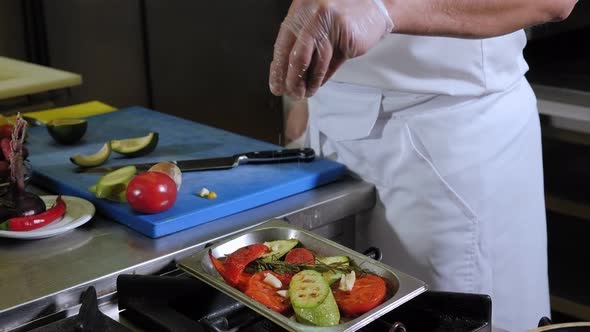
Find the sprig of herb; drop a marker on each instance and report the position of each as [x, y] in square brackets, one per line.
[282, 267]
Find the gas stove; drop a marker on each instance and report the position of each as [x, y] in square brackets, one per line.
[181, 303]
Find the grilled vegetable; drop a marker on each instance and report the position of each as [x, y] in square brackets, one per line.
[309, 293]
[368, 292]
[300, 256]
[334, 275]
[236, 262]
[244, 277]
[261, 291]
[308, 289]
[325, 314]
[278, 249]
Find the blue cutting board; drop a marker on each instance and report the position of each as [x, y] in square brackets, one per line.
[238, 189]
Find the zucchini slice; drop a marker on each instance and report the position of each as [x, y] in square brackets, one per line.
[333, 275]
[340, 260]
[278, 249]
[325, 314]
[308, 289]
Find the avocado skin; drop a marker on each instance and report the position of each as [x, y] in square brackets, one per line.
[67, 134]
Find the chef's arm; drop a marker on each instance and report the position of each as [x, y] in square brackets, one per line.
[473, 18]
[318, 36]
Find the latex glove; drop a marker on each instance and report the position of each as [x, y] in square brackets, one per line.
[317, 36]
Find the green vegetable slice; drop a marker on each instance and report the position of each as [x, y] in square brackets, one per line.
[333, 276]
[308, 289]
[137, 146]
[325, 314]
[113, 184]
[95, 159]
[340, 260]
[278, 249]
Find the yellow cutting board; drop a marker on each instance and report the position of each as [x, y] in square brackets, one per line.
[82, 110]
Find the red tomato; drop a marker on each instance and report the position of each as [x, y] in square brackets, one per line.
[267, 294]
[6, 131]
[300, 256]
[5, 147]
[151, 192]
[285, 278]
[244, 277]
[236, 261]
[367, 293]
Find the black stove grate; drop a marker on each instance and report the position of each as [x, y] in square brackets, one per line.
[88, 319]
[181, 303]
[153, 299]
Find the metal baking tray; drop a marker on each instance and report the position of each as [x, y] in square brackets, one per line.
[401, 287]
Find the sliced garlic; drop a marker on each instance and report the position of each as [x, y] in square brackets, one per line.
[283, 292]
[347, 281]
[272, 247]
[204, 192]
[272, 280]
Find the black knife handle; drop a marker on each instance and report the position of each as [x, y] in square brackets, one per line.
[277, 156]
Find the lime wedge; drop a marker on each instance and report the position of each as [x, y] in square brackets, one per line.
[114, 184]
[94, 159]
[137, 146]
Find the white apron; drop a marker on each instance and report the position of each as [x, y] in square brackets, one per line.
[459, 183]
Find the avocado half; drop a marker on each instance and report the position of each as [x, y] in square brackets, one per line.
[137, 146]
[67, 131]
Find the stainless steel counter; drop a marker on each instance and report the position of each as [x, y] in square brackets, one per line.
[44, 277]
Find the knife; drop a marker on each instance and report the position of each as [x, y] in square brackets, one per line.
[256, 157]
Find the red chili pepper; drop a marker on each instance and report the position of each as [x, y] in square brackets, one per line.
[29, 223]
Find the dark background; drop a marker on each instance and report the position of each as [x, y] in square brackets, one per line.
[202, 60]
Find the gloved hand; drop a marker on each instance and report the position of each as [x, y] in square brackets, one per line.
[317, 36]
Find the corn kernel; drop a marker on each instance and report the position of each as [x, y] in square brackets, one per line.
[212, 195]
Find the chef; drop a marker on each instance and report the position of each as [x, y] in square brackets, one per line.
[427, 100]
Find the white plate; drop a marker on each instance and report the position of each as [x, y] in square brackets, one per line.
[78, 212]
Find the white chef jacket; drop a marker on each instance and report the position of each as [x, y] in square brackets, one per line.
[439, 65]
[448, 131]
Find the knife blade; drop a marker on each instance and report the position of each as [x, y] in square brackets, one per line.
[190, 165]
